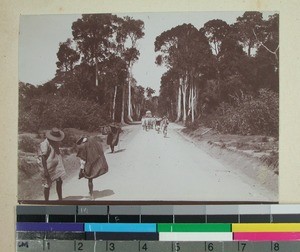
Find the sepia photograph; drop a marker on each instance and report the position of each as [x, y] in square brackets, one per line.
[149, 107]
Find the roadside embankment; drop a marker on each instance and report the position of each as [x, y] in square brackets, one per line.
[255, 156]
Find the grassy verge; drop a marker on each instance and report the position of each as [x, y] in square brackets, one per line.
[262, 148]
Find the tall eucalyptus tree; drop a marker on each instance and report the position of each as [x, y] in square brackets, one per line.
[129, 31]
[93, 34]
[245, 25]
[185, 50]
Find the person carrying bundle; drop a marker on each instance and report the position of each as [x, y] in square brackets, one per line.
[113, 136]
[92, 160]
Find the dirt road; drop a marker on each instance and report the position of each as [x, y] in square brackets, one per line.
[148, 166]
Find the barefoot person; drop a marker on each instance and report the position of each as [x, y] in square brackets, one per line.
[113, 136]
[92, 160]
[164, 125]
[51, 162]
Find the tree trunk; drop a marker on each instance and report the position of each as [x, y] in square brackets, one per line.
[184, 104]
[189, 102]
[171, 109]
[114, 104]
[249, 48]
[137, 111]
[96, 78]
[123, 105]
[192, 102]
[133, 111]
[179, 103]
[129, 93]
[184, 88]
[96, 72]
[129, 102]
[268, 49]
[195, 102]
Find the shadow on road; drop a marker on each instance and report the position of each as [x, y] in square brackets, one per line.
[96, 194]
[74, 198]
[121, 150]
[101, 194]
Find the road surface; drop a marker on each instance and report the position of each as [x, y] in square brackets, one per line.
[151, 167]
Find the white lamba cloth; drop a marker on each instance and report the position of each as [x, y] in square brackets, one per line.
[82, 163]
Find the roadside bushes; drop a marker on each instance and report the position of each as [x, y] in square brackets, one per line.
[192, 125]
[69, 140]
[272, 161]
[248, 115]
[50, 111]
[27, 144]
[27, 166]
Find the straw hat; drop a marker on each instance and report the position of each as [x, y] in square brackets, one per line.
[55, 135]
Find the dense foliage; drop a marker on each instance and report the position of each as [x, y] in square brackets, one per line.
[248, 115]
[224, 76]
[63, 112]
[93, 84]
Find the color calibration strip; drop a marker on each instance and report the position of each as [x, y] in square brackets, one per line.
[167, 232]
[159, 228]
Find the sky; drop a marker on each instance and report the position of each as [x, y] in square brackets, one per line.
[40, 35]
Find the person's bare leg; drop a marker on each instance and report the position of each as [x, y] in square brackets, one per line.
[46, 193]
[59, 188]
[91, 187]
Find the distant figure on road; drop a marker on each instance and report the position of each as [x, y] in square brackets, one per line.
[164, 125]
[157, 124]
[51, 162]
[92, 160]
[144, 122]
[113, 136]
[148, 120]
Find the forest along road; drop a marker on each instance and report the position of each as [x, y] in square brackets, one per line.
[148, 166]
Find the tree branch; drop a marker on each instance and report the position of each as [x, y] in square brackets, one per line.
[261, 43]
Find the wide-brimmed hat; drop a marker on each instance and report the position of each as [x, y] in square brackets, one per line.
[55, 135]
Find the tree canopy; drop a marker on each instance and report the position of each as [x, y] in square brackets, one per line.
[220, 65]
[214, 73]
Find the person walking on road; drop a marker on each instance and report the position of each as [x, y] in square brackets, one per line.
[51, 163]
[113, 136]
[157, 124]
[92, 160]
[164, 125]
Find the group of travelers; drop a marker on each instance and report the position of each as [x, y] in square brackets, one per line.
[157, 123]
[161, 124]
[92, 161]
[89, 152]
